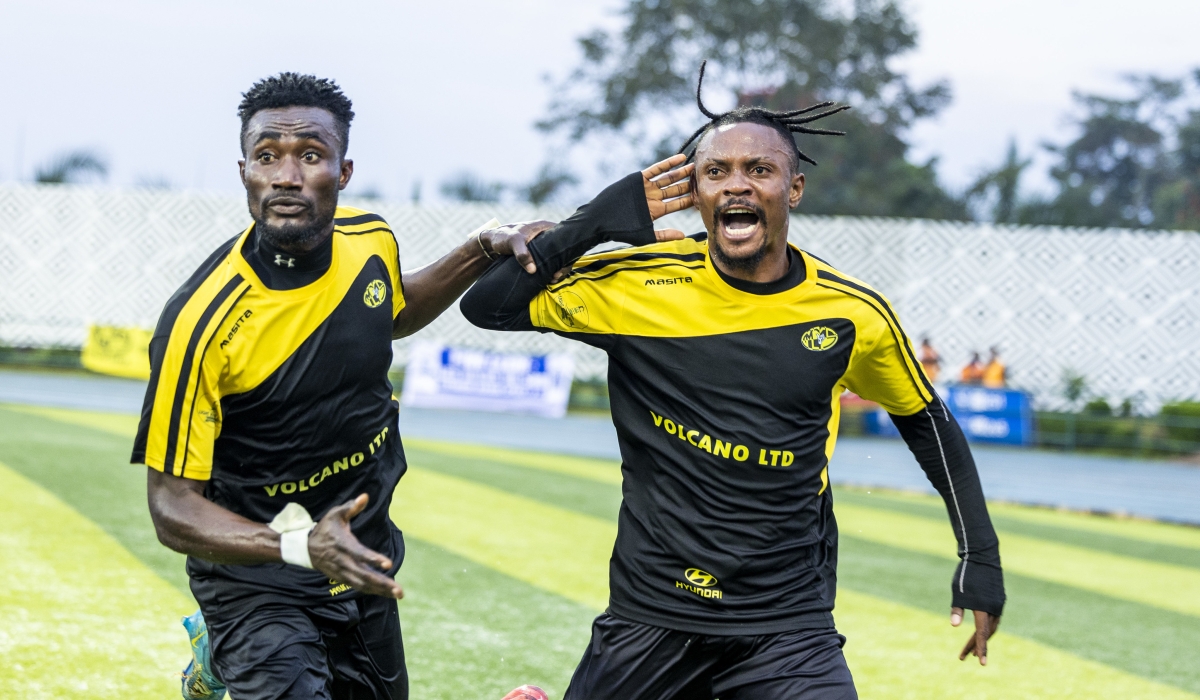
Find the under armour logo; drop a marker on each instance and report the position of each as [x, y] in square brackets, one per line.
[284, 262]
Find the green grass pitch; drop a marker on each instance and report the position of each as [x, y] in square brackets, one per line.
[507, 565]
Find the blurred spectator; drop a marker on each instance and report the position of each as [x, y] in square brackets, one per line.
[931, 361]
[972, 373]
[995, 373]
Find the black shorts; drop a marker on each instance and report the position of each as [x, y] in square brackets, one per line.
[632, 661]
[264, 648]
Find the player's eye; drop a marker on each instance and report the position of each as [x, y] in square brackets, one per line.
[266, 157]
[713, 172]
[760, 170]
[311, 157]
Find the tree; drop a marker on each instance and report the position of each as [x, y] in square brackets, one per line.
[72, 167]
[638, 85]
[468, 187]
[549, 182]
[1001, 187]
[1135, 162]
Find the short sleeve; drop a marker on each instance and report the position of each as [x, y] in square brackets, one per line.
[886, 369]
[397, 278]
[181, 414]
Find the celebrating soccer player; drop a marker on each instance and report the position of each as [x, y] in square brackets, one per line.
[728, 352]
[269, 405]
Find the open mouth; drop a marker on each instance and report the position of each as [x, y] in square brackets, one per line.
[740, 222]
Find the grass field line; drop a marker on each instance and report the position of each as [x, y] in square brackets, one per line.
[83, 618]
[568, 555]
[1164, 586]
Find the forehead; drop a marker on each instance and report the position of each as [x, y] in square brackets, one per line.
[744, 141]
[293, 119]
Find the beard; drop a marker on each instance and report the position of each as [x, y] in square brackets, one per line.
[299, 237]
[746, 263]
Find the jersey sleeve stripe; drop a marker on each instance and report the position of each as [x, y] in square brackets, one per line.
[166, 322]
[350, 231]
[635, 258]
[572, 280]
[189, 367]
[360, 219]
[877, 302]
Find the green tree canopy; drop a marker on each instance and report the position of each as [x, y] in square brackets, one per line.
[638, 83]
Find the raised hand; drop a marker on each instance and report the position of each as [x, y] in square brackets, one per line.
[338, 554]
[513, 239]
[985, 627]
[667, 190]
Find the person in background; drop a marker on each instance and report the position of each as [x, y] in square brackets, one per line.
[995, 374]
[972, 373]
[930, 360]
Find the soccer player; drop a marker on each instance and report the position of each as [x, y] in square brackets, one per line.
[728, 351]
[269, 388]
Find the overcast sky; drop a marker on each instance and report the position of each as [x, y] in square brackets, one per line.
[444, 87]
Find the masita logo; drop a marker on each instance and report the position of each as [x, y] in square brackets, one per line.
[376, 293]
[571, 310]
[819, 338]
[700, 577]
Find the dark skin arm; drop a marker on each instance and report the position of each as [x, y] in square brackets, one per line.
[430, 290]
[189, 523]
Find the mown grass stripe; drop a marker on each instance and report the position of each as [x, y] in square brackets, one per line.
[599, 470]
[1155, 584]
[86, 464]
[1135, 638]
[82, 617]
[475, 521]
[1007, 521]
[585, 496]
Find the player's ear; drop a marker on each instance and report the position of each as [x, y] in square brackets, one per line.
[242, 170]
[797, 190]
[347, 171]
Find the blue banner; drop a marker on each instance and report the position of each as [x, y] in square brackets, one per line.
[1002, 416]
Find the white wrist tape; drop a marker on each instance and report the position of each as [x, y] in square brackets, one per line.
[293, 524]
[293, 547]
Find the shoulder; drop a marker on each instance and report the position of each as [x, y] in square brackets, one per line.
[212, 281]
[688, 253]
[352, 221]
[870, 307]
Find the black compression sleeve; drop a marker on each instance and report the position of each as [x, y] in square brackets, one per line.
[499, 301]
[941, 449]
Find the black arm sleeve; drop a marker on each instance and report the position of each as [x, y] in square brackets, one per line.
[938, 443]
[499, 301]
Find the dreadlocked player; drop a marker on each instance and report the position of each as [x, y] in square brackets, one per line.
[728, 351]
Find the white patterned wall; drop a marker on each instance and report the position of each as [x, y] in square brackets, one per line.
[1120, 307]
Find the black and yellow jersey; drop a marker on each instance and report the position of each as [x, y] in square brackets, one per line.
[269, 382]
[725, 398]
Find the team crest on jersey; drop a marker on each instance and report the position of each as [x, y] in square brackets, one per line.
[819, 338]
[571, 310]
[376, 293]
[700, 578]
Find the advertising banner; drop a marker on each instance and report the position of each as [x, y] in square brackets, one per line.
[441, 376]
[1002, 416]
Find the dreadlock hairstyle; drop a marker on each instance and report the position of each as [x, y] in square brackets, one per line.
[786, 123]
[296, 90]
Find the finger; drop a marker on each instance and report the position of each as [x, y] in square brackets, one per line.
[663, 166]
[956, 615]
[983, 630]
[967, 649]
[678, 189]
[533, 228]
[668, 234]
[673, 176]
[560, 274]
[521, 252]
[678, 204]
[371, 582]
[357, 506]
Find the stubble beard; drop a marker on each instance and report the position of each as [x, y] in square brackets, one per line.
[745, 263]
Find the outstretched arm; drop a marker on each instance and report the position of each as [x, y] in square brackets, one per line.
[938, 443]
[623, 212]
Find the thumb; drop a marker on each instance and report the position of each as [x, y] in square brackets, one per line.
[668, 234]
[956, 617]
[357, 506]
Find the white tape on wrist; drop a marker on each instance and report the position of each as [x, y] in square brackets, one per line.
[293, 524]
[293, 547]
